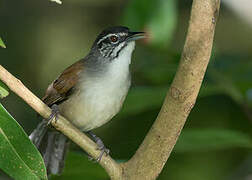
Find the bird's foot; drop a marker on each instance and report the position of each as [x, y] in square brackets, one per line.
[100, 145]
[54, 115]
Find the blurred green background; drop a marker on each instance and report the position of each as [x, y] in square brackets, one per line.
[43, 38]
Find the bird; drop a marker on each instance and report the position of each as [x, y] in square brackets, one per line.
[89, 93]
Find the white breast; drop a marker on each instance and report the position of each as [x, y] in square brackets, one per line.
[100, 98]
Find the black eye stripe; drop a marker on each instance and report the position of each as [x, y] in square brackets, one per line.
[109, 48]
[105, 41]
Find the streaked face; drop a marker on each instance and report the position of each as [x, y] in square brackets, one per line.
[113, 40]
[111, 44]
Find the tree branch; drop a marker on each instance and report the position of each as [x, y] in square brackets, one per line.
[62, 125]
[154, 151]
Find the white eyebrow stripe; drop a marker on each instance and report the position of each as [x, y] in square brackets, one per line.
[106, 37]
[120, 34]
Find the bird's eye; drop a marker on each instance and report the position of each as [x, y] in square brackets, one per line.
[113, 39]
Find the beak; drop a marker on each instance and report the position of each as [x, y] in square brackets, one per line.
[132, 36]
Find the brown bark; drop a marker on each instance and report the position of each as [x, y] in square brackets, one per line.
[62, 125]
[154, 151]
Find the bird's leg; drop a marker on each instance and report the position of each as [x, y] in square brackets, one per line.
[55, 114]
[100, 144]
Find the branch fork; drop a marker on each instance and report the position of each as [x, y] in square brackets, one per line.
[154, 151]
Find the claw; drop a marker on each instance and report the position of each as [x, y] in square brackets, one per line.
[101, 146]
[106, 151]
[55, 114]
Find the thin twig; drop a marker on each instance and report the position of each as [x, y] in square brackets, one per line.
[62, 125]
[153, 153]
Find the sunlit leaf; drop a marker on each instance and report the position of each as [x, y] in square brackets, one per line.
[3, 90]
[57, 1]
[2, 43]
[211, 139]
[19, 158]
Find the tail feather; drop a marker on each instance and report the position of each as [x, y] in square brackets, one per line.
[38, 133]
[52, 145]
[58, 152]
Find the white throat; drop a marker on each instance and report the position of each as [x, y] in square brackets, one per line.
[119, 67]
[101, 98]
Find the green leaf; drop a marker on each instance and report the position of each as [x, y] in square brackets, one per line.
[227, 86]
[19, 158]
[3, 90]
[2, 43]
[231, 75]
[78, 166]
[57, 1]
[208, 89]
[163, 22]
[157, 17]
[211, 139]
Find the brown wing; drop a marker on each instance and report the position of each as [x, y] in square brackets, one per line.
[60, 89]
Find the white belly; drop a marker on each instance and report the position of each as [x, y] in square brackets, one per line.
[93, 107]
[99, 98]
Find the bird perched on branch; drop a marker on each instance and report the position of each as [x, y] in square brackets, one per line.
[88, 93]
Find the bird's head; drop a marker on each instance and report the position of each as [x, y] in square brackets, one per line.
[114, 40]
